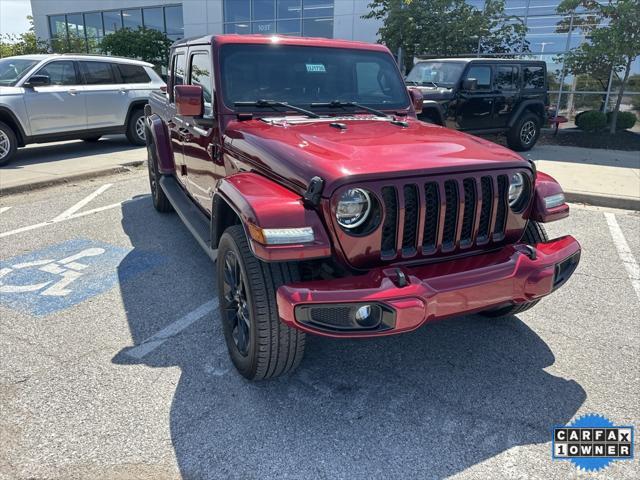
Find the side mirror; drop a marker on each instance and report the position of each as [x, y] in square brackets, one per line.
[416, 99]
[470, 84]
[189, 101]
[38, 81]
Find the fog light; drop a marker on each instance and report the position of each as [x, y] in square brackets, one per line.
[363, 313]
[554, 200]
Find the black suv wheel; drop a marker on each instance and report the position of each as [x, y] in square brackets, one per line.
[524, 134]
[8, 143]
[260, 345]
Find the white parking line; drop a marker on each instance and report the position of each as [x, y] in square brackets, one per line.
[4, 209]
[71, 210]
[154, 341]
[629, 261]
[77, 215]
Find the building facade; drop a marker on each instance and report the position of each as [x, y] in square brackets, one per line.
[91, 20]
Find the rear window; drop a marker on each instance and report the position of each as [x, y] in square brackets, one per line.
[133, 73]
[533, 77]
[98, 73]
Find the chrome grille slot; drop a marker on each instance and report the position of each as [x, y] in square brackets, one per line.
[485, 214]
[470, 201]
[501, 210]
[432, 215]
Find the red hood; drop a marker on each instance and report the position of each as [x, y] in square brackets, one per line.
[367, 149]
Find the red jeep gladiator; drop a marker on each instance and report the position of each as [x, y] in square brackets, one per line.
[299, 165]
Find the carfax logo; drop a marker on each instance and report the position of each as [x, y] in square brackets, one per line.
[592, 442]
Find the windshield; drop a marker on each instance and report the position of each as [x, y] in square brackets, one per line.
[442, 74]
[13, 69]
[310, 75]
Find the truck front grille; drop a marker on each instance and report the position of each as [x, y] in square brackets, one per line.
[455, 214]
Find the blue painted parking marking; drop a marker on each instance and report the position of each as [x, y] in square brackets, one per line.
[62, 275]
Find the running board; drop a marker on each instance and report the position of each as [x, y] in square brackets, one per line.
[196, 221]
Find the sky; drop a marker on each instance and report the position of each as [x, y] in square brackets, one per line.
[13, 16]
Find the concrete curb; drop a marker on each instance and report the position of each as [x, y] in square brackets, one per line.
[610, 201]
[122, 168]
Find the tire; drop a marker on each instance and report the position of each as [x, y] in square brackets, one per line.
[533, 233]
[92, 139]
[135, 127]
[160, 201]
[525, 133]
[259, 344]
[8, 143]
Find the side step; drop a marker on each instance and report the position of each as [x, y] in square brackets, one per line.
[196, 221]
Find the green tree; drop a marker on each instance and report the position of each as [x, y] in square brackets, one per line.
[144, 44]
[447, 27]
[23, 44]
[612, 30]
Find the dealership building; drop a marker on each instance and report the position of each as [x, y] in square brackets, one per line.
[93, 19]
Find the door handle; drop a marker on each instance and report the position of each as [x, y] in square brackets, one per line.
[123, 91]
[73, 91]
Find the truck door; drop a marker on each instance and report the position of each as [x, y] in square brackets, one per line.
[177, 129]
[507, 88]
[202, 152]
[475, 107]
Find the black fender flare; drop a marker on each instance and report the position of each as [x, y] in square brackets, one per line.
[435, 108]
[526, 105]
[159, 144]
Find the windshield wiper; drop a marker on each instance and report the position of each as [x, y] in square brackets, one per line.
[432, 83]
[274, 103]
[339, 104]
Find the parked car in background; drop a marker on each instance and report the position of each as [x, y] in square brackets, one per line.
[47, 98]
[483, 95]
[299, 164]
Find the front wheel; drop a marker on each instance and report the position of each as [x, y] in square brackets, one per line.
[534, 233]
[524, 134]
[8, 143]
[259, 344]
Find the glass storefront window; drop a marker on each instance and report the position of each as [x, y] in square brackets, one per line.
[317, 8]
[317, 27]
[237, 11]
[75, 24]
[58, 26]
[289, 27]
[173, 20]
[241, 28]
[112, 21]
[93, 24]
[289, 9]
[132, 18]
[153, 18]
[263, 9]
[264, 28]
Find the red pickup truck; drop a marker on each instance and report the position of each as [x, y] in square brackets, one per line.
[299, 165]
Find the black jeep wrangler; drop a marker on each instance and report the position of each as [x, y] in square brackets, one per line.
[483, 95]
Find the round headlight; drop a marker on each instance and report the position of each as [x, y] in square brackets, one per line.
[516, 188]
[353, 208]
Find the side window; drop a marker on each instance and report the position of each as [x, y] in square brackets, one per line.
[200, 73]
[482, 73]
[507, 78]
[533, 77]
[98, 73]
[132, 73]
[60, 72]
[178, 69]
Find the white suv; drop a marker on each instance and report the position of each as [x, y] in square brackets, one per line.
[47, 98]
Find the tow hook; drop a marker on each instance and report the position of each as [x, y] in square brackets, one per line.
[401, 279]
[529, 251]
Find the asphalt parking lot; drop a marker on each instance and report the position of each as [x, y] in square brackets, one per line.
[117, 368]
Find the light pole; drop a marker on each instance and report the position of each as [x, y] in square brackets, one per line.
[543, 44]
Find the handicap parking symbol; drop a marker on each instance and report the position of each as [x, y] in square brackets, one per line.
[60, 276]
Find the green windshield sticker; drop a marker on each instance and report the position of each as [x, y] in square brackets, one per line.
[315, 68]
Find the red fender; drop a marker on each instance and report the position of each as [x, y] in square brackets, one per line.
[161, 145]
[546, 186]
[261, 203]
